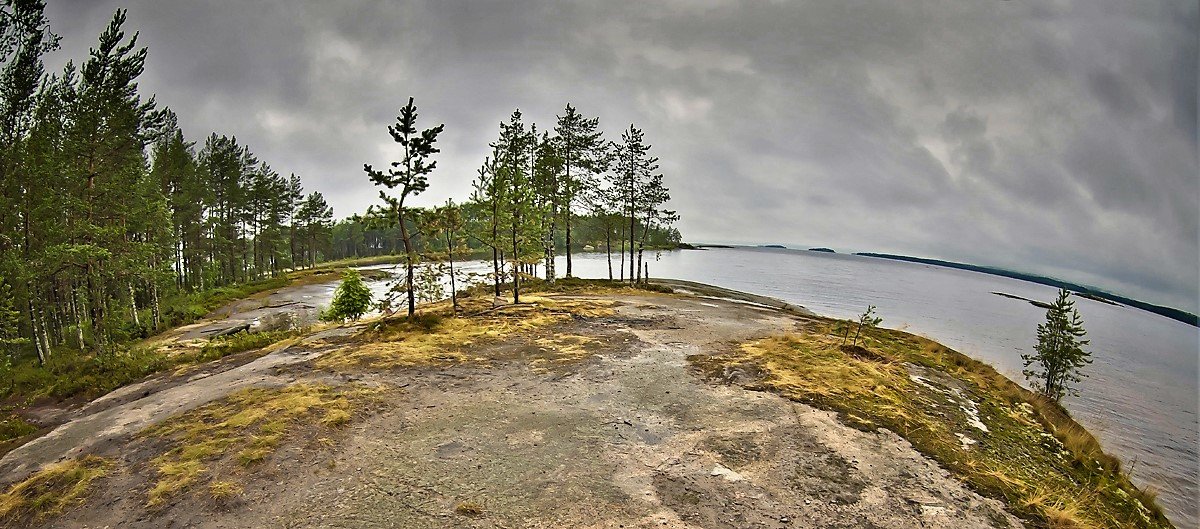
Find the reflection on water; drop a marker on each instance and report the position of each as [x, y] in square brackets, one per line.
[1140, 396]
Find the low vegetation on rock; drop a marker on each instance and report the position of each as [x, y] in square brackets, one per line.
[51, 490]
[242, 430]
[433, 336]
[1003, 440]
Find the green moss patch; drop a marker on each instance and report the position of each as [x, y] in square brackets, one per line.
[12, 426]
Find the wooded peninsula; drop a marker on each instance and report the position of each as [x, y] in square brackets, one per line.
[189, 338]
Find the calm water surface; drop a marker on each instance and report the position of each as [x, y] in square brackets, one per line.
[1140, 396]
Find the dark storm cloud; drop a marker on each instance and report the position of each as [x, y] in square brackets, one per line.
[1053, 137]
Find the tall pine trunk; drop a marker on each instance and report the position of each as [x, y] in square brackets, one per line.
[550, 272]
[496, 270]
[567, 217]
[516, 262]
[96, 304]
[292, 242]
[632, 238]
[496, 257]
[155, 312]
[45, 336]
[568, 227]
[408, 261]
[608, 249]
[450, 255]
[642, 246]
[77, 314]
[622, 267]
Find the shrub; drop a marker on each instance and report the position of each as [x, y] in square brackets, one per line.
[351, 300]
[226, 345]
[13, 426]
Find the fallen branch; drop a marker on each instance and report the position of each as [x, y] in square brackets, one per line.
[232, 330]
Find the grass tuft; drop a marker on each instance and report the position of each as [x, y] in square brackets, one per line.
[335, 418]
[469, 509]
[224, 490]
[249, 424]
[52, 490]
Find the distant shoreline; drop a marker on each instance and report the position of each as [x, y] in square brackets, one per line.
[1081, 290]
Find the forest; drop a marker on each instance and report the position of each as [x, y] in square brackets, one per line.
[109, 209]
[115, 226]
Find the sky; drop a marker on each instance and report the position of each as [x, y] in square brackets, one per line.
[1051, 137]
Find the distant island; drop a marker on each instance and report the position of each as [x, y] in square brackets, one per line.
[1081, 290]
[822, 249]
[772, 246]
[1034, 302]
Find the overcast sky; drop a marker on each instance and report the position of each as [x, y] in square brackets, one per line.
[1052, 137]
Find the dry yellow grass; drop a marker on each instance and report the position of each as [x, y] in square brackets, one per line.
[249, 425]
[469, 508]
[1028, 451]
[224, 490]
[435, 339]
[51, 490]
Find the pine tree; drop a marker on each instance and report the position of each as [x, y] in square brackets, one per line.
[174, 168]
[24, 37]
[410, 174]
[514, 170]
[96, 229]
[633, 174]
[105, 143]
[448, 222]
[292, 196]
[868, 320]
[548, 191]
[315, 218]
[489, 193]
[1058, 356]
[653, 196]
[602, 199]
[584, 155]
[225, 167]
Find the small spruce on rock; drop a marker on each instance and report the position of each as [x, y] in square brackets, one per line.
[352, 298]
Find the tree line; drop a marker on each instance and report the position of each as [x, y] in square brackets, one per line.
[536, 192]
[353, 238]
[108, 208]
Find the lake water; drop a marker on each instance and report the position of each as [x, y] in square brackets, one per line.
[1140, 397]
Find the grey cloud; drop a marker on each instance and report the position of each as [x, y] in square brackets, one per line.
[1116, 93]
[1053, 137]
